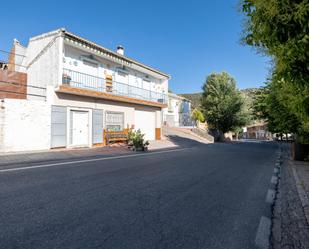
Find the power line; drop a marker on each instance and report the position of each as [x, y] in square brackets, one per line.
[6, 52]
[26, 94]
[41, 91]
[25, 85]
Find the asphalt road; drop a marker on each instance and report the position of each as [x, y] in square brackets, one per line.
[206, 196]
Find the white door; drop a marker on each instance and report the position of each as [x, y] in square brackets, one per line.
[80, 128]
[146, 122]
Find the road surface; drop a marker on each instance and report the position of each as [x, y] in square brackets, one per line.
[202, 196]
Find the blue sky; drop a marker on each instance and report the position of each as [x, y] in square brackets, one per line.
[186, 39]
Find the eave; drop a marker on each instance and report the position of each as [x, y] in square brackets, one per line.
[107, 96]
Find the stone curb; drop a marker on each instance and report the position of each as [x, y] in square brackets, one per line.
[275, 237]
[301, 192]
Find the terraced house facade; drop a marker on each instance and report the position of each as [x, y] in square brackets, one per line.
[76, 89]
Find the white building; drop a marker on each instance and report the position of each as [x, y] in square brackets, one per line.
[75, 90]
[178, 111]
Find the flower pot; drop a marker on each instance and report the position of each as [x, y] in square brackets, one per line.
[140, 148]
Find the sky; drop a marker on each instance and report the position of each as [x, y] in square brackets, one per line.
[186, 39]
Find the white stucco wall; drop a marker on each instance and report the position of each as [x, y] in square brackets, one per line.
[44, 63]
[91, 103]
[73, 60]
[26, 125]
[49, 53]
[173, 110]
[20, 57]
[176, 106]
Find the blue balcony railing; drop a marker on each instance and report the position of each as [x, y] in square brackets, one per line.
[89, 82]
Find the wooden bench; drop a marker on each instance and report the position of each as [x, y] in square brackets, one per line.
[115, 136]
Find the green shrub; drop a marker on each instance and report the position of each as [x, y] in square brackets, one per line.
[136, 138]
[197, 115]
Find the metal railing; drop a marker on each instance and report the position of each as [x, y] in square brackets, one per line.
[90, 82]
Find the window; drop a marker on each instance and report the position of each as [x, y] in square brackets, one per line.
[90, 63]
[114, 121]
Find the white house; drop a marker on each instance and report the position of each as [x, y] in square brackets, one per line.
[178, 111]
[75, 90]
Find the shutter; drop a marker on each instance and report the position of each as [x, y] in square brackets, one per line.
[97, 126]
[58, 126]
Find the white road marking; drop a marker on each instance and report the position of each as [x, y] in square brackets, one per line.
[274, 179]
[91, 160]
[270, 196]
[263, 233]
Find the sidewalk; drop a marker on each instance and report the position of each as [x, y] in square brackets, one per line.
[61, 154]
[290, 228]
[301, 175]
[78, 153]
[164, 143]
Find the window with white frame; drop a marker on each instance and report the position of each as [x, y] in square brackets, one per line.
[114, 121]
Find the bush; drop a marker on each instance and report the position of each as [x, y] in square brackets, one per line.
[137, 140]
[197, 115]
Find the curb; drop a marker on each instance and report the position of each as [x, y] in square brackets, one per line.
[275, 236]
[301, 192]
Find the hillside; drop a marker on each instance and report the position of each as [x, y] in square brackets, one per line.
[195, 98]
[248, 95]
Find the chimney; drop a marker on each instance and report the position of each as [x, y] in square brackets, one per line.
[120, 50]
[15, 41]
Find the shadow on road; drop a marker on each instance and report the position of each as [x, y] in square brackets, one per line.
[184, 141]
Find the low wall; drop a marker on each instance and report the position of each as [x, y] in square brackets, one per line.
[25, 125]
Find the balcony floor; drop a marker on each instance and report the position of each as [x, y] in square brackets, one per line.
[107, 96]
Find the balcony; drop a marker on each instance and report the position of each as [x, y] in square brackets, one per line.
[109, 89]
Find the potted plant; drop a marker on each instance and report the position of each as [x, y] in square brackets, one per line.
[130, 137]
[66, 79]
[137, 141]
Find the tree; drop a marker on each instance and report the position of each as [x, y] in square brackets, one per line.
[222, 103]
[259, 104]
[197, 115]
[280, 29]
[267, 105]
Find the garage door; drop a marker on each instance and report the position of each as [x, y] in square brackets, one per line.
[145, 121]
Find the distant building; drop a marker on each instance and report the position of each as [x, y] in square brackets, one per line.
[178, 112]
[258, 130]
